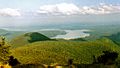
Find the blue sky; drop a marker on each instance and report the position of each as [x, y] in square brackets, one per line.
[34, 4]
[40, 11]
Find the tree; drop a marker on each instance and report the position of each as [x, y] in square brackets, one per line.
[4, 50]
[108, 57]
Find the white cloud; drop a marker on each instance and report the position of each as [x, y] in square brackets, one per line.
[9, 12]
[57, 9]
[72, 9]
[104, 8]
[65, 9]
[101, 9]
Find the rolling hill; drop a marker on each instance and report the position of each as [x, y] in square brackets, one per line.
[28, 38]
[115, 38]
[48, 52]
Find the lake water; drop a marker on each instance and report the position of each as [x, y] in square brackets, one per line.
[72, 34]
[73, 30]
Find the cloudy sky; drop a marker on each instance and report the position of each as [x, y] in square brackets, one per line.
[58, 7]
[16, 10]
[34, 4]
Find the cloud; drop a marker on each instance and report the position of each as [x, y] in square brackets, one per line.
[72, 9]
[9, 12]
[109, 8]
[64, 9]
[101, 9]
[58, 9]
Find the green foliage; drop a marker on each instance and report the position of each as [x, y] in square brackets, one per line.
[4, 52]
[28, 38]
[78, 39]
[35, 36]
[48, 52]
[115, 38]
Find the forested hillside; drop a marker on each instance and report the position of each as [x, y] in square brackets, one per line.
[48, 52]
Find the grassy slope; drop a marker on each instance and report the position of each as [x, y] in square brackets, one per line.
[115, 38]
[28, 38]
[60, 51]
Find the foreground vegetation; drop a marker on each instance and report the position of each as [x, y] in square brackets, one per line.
[48, 52]
[35, 48]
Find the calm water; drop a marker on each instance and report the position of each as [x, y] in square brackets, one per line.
[72, 34]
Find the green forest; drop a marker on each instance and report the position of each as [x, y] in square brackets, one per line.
[36, 48]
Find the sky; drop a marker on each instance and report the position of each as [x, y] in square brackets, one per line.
[31, 4]
[24, 12]
[19, 7]
[13, 7]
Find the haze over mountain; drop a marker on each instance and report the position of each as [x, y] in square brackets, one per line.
[42, 13]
